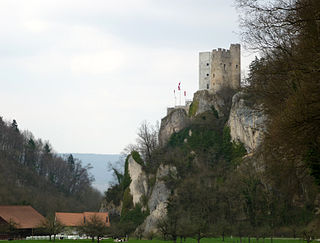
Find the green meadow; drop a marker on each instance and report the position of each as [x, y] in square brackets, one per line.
[188, 240]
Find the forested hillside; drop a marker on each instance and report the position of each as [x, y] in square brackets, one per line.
[286, 81]
[31, 173]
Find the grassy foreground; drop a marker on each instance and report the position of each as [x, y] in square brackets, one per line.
[189, 240]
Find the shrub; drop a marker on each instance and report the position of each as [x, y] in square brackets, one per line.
[136, 156]
[215, 112]
[193, 108]
[135, 215]
[126, 177]
[233, 151]
[127, 203]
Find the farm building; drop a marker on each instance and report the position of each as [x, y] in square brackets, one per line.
[18, 221]
[78, 219]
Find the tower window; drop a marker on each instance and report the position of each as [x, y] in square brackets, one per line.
[207, 86]
[207, 74]
[224, 67]
[237, 66]
[207, 64]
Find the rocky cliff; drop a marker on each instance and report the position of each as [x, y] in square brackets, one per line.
[247, 125]
[139, 183]
[247, 122]
[157, 197]
[203, 101]
[175, 121]
[208, 100]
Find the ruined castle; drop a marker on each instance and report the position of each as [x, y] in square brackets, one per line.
[220, 68]
[209, 108]
[217, 69]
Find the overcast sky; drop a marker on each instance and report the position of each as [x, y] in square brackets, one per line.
[84, 74]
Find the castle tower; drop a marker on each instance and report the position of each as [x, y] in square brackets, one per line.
[220, 68]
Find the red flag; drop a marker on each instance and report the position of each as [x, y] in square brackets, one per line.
[179, 86]
[185, 93]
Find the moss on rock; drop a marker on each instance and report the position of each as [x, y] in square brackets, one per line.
[193, 108]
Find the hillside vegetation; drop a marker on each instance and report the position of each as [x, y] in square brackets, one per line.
[32, 174]
[216, 188]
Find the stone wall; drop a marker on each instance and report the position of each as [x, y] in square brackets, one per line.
[205, 59]
[220, 68]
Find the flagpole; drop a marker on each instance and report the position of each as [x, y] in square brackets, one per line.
[180, 93]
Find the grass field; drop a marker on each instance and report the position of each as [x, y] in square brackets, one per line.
[189, 240]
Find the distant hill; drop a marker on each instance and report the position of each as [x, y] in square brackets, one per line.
[99, 162]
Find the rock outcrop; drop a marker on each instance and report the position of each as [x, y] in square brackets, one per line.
[205, 100]
[110, 208]
[247, 123]
[138, 185]
[158, 199]
[175, 121]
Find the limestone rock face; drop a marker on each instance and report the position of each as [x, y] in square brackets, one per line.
[209, 100]
[175, 121]
[160, 192]
[138, 185]
[110, 208]
[158, 200]
[247, 124]
[205, 100]
[150, 223]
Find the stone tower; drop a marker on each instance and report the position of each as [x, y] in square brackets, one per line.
[220, 68]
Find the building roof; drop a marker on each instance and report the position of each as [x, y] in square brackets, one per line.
[25, 217]
[77, 219]
[70, 219]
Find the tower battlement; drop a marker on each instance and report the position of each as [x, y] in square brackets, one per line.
[220, 68]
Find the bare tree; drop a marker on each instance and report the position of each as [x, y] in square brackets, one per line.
[94, 227]
[51, 226]
[268, 25]
[147, 140]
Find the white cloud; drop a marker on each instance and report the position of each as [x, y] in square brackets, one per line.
[97, 63]
[35, 25]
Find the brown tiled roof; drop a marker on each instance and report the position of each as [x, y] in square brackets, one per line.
[25, 217]
[77, 219]
[70, 219]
